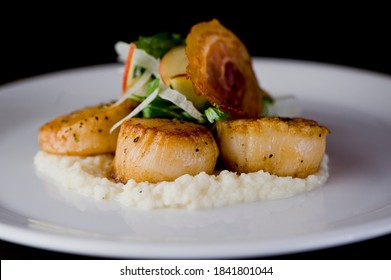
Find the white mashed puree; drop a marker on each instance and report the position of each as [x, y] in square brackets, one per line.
[89, 176]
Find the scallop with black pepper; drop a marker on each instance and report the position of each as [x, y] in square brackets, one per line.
[163, 150]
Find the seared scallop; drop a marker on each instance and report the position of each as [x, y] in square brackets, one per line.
[156, 150]
[84, 132]
[281, 146]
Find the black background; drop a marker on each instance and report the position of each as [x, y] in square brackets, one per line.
[39, 40]
[52, 37]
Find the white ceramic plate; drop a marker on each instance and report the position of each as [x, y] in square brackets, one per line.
[355, 204]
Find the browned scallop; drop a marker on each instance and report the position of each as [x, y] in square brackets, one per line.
[84, 132]
[156, 150]
[281, 146]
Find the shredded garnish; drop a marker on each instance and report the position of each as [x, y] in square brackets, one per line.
[144, 69]
[121, 49]
[143, 79]
[138, 109]
[181, 101]
[142, 59]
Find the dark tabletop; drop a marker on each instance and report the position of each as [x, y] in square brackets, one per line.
[372, 249]
[36, 42]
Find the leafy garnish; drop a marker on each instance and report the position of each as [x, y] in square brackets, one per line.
[158, 44]
[152, 86]
[214, 113]
[159, 107]
[267, 101]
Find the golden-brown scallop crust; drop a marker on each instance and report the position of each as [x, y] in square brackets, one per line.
[84, 132]
[156, 150]
[281, 146]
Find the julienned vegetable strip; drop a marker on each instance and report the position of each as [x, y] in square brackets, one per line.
[144, 60]
[138, 58]
[138, 109]
[122, 50]
[143, 79]
[181, 101]
[129, 68]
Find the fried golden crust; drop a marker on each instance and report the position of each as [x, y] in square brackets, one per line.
[156, 150]
[84, 132]
[220, 68]
[281, 146]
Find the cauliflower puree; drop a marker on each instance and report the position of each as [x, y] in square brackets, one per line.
[89, 176]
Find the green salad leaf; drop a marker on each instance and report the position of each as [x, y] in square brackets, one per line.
[157, 45]
[214, 113]
[267, 101]
[159, 107]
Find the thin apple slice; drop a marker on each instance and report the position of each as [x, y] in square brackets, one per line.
[128, 69]
[143, 60]
[173, 63]
[184, 85]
